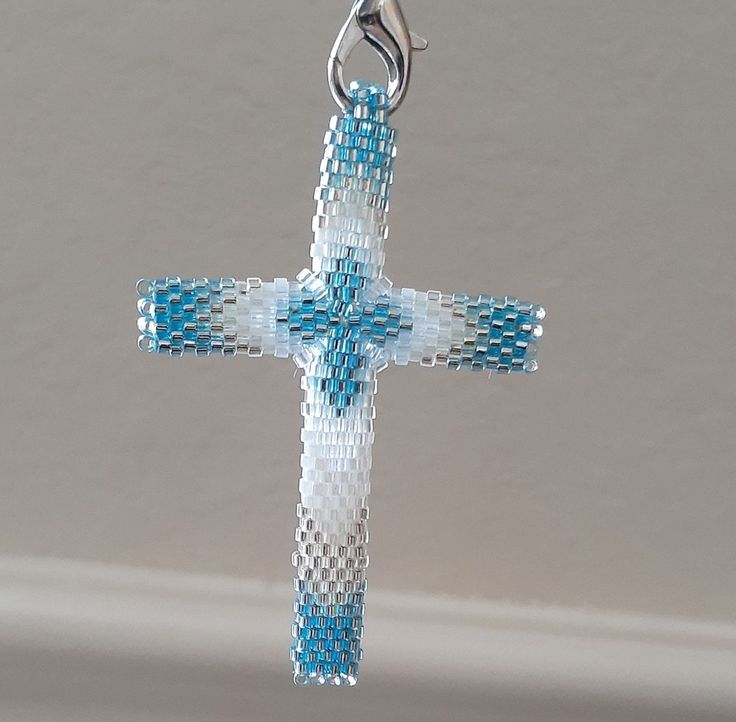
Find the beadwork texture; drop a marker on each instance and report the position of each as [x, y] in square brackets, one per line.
[342, 322]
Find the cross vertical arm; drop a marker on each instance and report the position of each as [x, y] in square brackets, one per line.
[339, 386]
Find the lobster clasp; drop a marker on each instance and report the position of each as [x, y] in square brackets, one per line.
[382, 25]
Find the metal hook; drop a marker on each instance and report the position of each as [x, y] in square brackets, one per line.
[383, 26]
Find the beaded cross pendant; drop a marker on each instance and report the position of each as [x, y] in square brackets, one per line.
[342, 322]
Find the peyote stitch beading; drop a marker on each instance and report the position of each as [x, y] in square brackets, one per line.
[342, 323]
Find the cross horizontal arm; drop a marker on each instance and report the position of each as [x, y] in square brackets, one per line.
[481, 333]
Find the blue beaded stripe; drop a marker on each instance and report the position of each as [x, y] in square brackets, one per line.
[502, 334]
[309, 319]
[327, 638]
[188, 316]
[336, 384]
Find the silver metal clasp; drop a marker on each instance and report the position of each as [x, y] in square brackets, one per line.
[383, 26]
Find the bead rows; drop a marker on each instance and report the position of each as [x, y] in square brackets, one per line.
[339, 386]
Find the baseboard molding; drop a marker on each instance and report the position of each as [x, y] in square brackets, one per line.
[64, 617]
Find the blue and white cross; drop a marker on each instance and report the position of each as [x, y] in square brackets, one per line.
[342, 323]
